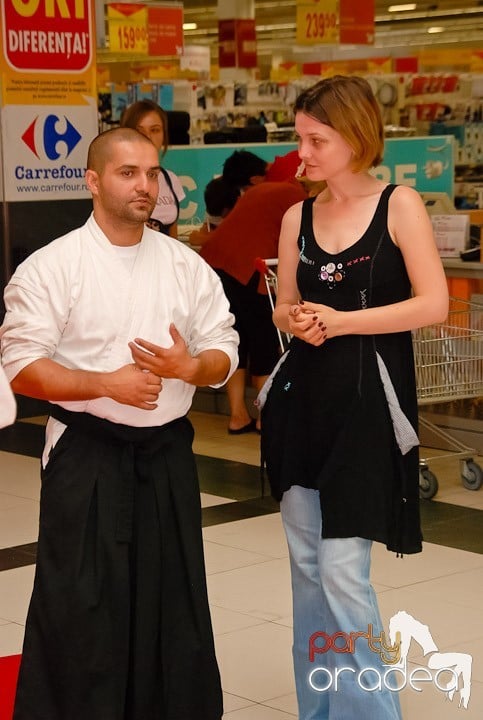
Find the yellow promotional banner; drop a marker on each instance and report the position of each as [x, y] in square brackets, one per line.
[379, 65]
[128, 28]
[476, 61]
[317, 22]
[285, 72]
[343, 67]
[48, 99]
[438, 59]
[47, 52]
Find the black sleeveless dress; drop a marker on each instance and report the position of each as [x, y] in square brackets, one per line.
[326, 423]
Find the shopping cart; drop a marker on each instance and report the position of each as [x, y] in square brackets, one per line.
[449, 366]
[268, 268]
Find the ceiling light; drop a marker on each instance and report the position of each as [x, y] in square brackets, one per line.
[435, 29]
[402, 8]
[278, 26]
[189, 26]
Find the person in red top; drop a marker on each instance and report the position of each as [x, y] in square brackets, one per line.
[249, 231]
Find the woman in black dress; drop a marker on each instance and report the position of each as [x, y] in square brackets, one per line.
[358, 269]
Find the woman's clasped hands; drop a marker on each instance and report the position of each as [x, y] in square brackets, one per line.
[312, 322]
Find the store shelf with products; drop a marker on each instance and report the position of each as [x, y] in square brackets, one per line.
[465, 279]
[468, 186]
[451, 104]
[223, 107]
[412, 105]
[443, 104]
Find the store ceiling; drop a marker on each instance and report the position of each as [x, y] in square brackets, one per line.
[402, 32]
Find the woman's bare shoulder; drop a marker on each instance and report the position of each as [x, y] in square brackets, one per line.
[406, 197]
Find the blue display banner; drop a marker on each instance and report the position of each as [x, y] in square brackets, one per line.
[425, 163]
[196, 165]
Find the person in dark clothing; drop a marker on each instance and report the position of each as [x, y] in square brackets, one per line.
[358, 269]
[243, 169]
[220, 197]
[249, 231]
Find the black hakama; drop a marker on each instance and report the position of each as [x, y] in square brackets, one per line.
[119, 625]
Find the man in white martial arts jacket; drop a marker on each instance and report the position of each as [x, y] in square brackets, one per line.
[8, 406]
[115, 324]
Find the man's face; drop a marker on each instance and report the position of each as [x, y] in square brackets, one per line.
[126, 189]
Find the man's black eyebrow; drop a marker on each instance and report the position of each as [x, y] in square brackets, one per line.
[126, 166]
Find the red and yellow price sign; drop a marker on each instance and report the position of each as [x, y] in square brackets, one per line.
[317, 22]
[128, 28]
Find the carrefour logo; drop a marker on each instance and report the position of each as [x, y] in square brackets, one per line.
[54, 138]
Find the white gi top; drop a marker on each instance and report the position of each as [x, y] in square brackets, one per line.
[8, 406]
[75, 302]
[166, 210]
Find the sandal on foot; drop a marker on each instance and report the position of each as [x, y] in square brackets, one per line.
[249, 427]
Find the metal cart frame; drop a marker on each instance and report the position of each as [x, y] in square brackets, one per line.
[449, 366]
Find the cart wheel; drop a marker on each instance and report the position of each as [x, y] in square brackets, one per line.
[472, 475]
[428, 484]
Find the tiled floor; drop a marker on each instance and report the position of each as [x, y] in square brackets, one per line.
[248, 573]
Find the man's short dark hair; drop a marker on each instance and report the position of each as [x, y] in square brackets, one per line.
[241, 166]
[101, 147]
[220, 197]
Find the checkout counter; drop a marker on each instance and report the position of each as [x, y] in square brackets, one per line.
[465, 277]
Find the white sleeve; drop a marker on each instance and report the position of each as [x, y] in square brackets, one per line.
[211, 326]
[8, 406]
[37, 310]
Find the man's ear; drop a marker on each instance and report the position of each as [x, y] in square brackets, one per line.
[92, 181]
[256, 179]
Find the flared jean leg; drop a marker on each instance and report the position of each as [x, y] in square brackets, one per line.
[332, 594]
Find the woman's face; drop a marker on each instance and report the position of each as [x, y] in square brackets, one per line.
[324, 151]
[151, 126]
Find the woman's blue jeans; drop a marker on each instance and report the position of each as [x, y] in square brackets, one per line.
[332, 593]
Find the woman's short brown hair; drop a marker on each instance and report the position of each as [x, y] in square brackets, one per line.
[133, 115]
[347, 104]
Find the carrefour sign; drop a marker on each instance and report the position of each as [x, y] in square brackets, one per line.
[45, 157]
[54, 35]
[49, 136]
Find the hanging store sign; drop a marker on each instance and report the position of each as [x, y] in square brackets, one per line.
[226, 44]
[127, 23]
[246, 43]
[196, 58]
[165, 30]
[48, 97]
[40, 35]
[317, 22]
[356, 22]
[237, 42]
[335, 22]
[139, 29]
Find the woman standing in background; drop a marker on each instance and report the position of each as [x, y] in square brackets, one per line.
[151, 120]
